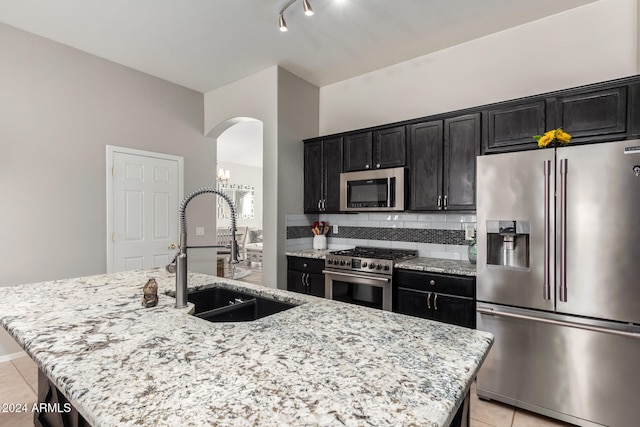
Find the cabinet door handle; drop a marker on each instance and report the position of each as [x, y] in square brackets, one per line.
[435, 301]
[305, 280]
[367, 166]
[324, 204]
[445, 201]
[428, 298]
[439, 202]
[319, 204]
[378, 165]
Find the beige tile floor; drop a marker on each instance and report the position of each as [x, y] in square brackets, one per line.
[19, 384]
[494, 414]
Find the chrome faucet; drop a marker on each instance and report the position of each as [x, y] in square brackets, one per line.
[181, 257]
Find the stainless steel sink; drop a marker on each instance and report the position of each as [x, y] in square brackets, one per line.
[218, 304]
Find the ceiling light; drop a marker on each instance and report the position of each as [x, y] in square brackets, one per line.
[283, 25]
[307, 11]
[307, 8]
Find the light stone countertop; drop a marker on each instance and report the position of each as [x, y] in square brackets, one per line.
[432, 265]
[310, 253]
[437, 265]
[321, 363]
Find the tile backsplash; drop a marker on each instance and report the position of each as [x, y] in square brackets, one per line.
[437, 235]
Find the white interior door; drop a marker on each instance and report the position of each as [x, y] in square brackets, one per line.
[145, 193]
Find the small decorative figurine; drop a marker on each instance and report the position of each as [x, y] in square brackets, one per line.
[150, 290]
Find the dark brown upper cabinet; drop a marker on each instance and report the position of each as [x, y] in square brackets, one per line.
[511, 127]
[426, 148]
[322, 168]
[600, 112]
[593, 116]
[379, 149]
[461, 146]
[440, 150]
[443, 163]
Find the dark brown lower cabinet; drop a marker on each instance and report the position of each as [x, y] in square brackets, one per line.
[445, 298]
[304, 275]
[54, 409]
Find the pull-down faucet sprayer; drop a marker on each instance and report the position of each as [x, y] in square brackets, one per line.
[181, 258]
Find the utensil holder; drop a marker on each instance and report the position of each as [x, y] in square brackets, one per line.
[320, 242]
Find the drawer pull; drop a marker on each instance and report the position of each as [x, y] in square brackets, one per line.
[432, 282]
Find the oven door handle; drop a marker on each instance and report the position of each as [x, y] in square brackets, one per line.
[356, 276]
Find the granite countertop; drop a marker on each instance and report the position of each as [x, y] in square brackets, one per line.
[321, 363]
[310, 253]
[436, 265]
[432, 265]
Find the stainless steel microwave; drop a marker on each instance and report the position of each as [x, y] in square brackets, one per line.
[373, 190]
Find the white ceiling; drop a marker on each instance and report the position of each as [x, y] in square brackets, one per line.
[205, 44]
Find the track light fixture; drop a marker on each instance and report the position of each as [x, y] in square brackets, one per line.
[281, 22]
[307, 8]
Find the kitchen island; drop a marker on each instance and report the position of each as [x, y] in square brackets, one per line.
[320, 363]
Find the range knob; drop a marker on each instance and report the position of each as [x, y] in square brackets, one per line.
[342, 262]
[379, 267]
[386, 268]
[329, 261]
[372, 266]
[364, 264]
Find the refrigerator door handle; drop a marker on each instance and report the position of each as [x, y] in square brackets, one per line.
[492, 312]
[547, 227]
[563, 230]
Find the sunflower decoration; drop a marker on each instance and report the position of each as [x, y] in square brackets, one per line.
[550, 138]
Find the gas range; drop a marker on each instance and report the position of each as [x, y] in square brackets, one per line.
[368, 259]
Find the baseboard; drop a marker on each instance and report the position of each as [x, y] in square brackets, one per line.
[8, 357]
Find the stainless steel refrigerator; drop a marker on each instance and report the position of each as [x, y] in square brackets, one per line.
[558, 281]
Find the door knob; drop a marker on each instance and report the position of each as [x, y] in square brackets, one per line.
[172, 246]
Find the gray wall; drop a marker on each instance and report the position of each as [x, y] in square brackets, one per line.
[584, 45]
[59, 108]
[298, 111]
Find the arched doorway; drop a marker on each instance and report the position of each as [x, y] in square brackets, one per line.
[239, 162]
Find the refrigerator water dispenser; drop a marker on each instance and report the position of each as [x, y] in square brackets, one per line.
[508, 243]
